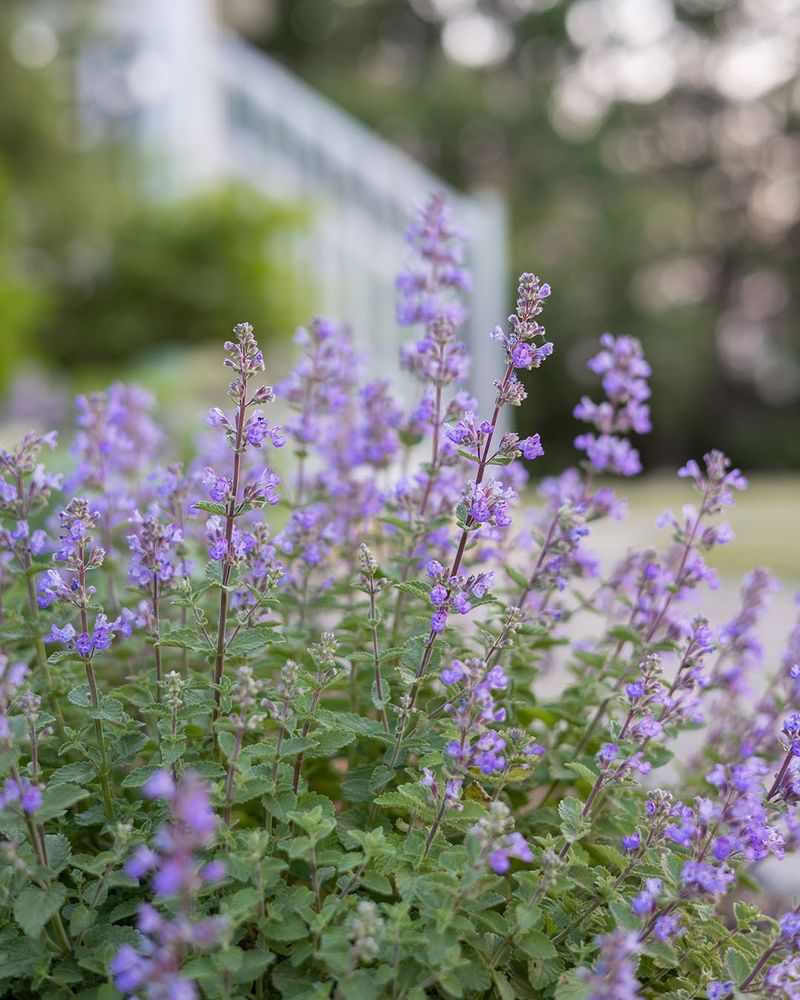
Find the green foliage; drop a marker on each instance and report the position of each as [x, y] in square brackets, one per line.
[174, 272]
[94, 265]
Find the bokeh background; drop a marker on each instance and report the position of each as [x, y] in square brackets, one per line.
[641, 155]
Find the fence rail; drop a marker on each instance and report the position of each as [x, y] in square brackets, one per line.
[228, 110]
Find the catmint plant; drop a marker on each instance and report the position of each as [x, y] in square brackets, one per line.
[311, 756]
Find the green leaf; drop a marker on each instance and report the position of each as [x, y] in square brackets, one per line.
[252, 640]
[624, 633]
[59, 851]
[241, 904]
[542, 973]
[110, 710]
[34, 907]
[572, 987]
[519, 578]
[738, 967]
[57, 799]
[582, 771]
[80, 695]
[416, 588]
[504, 990]
[211, 508]
[535, 944]
[183, 638]
[81, 773]
[572, 823]
[621, 911]
[138, 776]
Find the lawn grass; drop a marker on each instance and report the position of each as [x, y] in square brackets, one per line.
[766, 522]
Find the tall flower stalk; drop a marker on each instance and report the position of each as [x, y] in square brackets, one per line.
[235, 496]
[486, 503]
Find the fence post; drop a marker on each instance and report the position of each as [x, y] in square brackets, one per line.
[172, 78]
[488, 226]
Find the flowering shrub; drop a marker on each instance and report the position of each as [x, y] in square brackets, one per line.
[312, 760]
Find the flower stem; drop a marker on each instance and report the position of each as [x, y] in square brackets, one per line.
[237, 748]
[100, 737]
[373, 614]
[227, 562]
[41, 652]
[157, 647]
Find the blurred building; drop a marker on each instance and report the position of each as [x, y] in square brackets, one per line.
[208, 107]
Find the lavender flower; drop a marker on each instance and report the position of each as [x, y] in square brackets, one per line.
[153, 552]
[430, 286]
[153, 969]
[498, 840]
[614, 975]
[624, 373]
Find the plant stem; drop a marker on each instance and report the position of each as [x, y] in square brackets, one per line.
[780, 775]
[100, 737]
[762, 961]
[437, 822]
[298, 763]
[373, 614]
[227, 562]
[312, 863]
[95, 698]
[237, 748]
[156, 630]
[41, 652]
[41, 856]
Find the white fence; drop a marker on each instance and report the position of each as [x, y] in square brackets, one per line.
[213, 106]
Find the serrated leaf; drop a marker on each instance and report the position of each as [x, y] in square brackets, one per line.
[536, 944]
[543, 972]
[210, 507]
[504, 990]
[572, 823]
[252, 640]
[183, 638]
[81, 696]
[110, 710]
[81, 772]
[572, 987]
[139, 776]
[737, 966]
[59, 851]
[622, 914]
[582, 771]
[416, 588]
[241, 903]
[34, 907]
[57, 799]
[624, 633]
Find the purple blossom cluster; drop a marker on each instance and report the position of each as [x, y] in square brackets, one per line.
[614, 975]
[115, 443]
[245, 489]
[153, 548]
[153, 969]
[17, 792]
[472, 688]
[87, 643]
[22, 793]
[454, 594]
[429, 286]
[624, 372]
[498, 840]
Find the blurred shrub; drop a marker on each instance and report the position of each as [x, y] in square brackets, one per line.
[176, 272]
[92, 269]
[21, 305]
